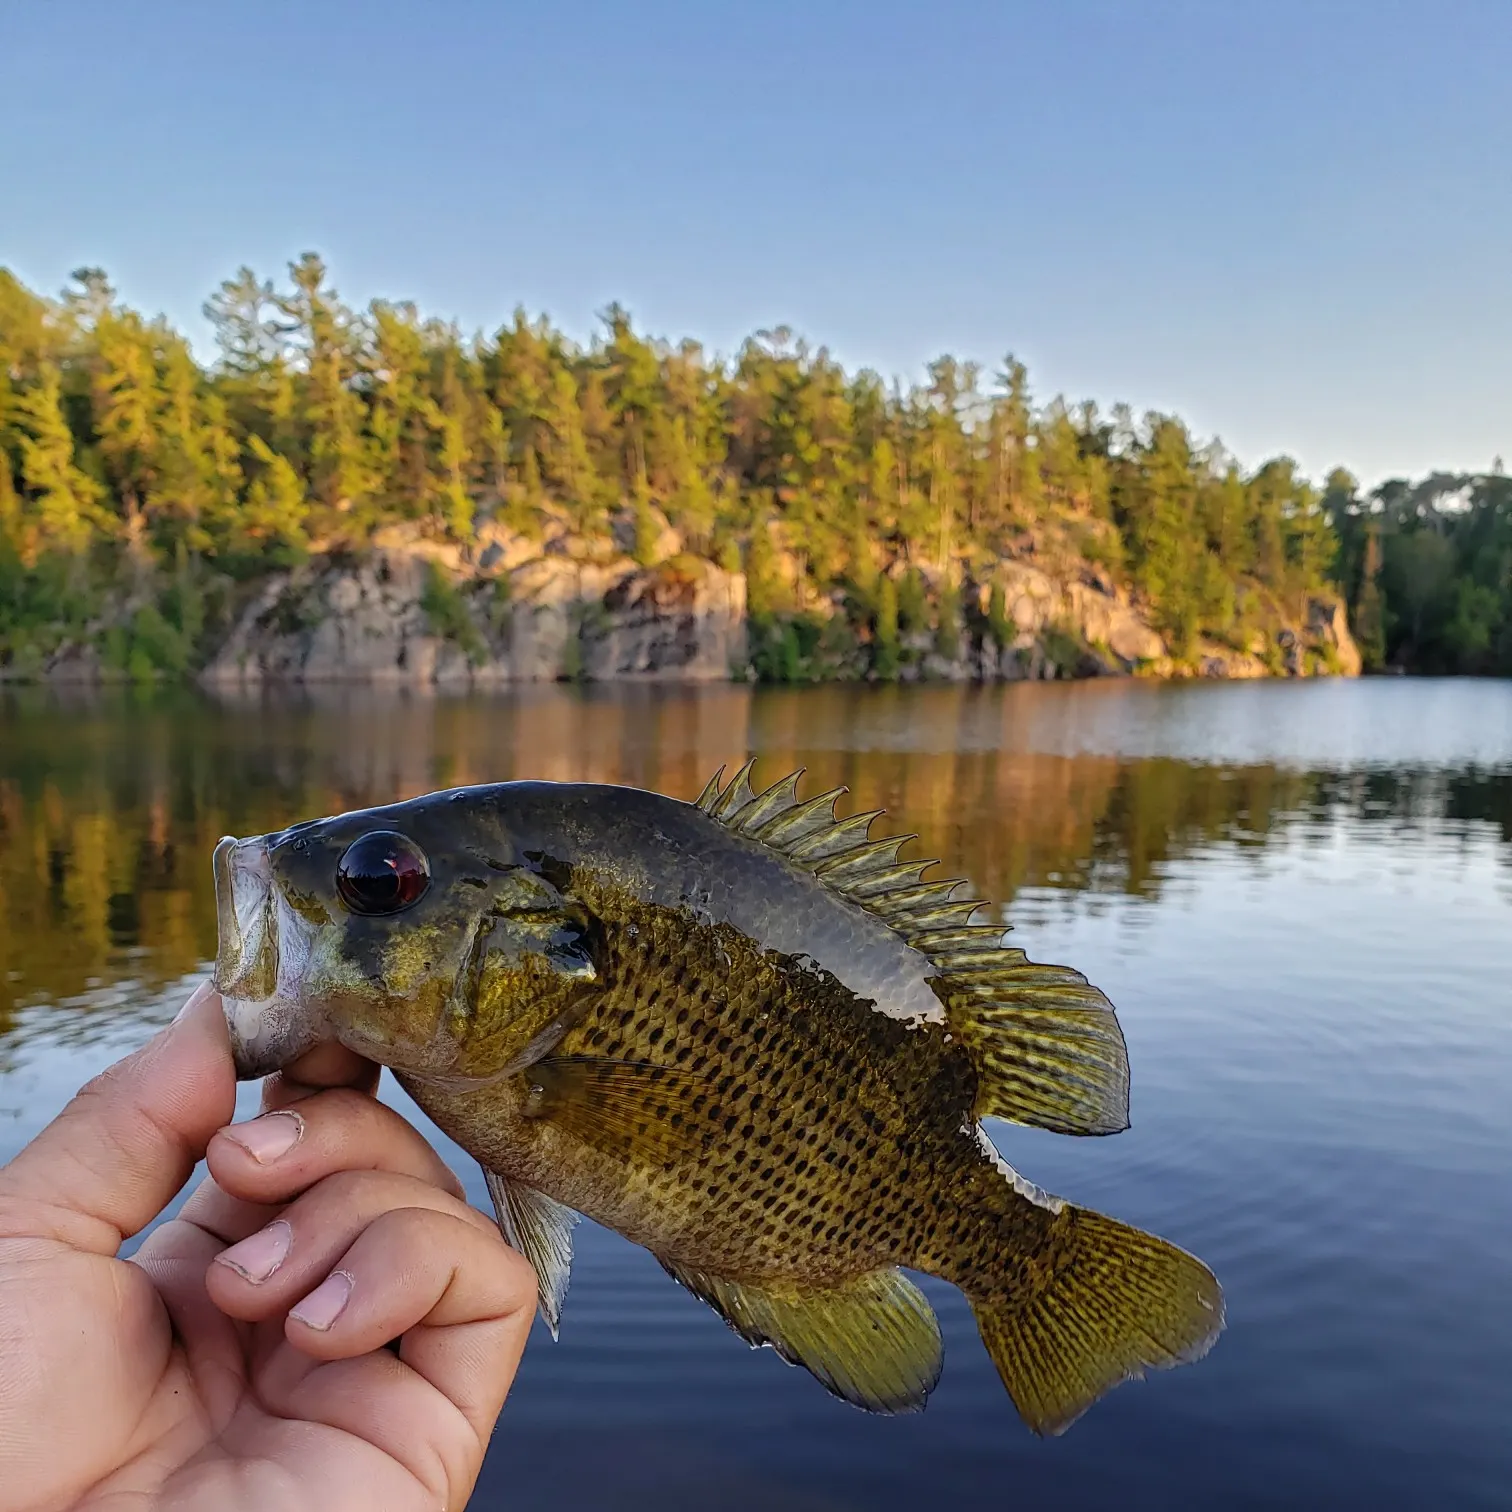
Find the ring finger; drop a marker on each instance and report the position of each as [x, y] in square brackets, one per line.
[270, 1270]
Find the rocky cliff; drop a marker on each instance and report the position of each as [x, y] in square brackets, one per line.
[510, 610]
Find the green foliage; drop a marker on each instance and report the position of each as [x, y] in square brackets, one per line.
[123, 464]
[948, 621]
[647, 528]
[184, 601]
[1003, 629]
[795, 648]
[1427, 571]
[152, 644]
[447, 614]
[43, 606]
[764, 595]
[913, 603]
[156, 647]
[1062, 650]
[273, 520]
[885, 659]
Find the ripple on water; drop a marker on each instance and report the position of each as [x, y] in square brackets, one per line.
[1299, 898]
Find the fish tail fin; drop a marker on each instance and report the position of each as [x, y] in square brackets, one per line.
[1110, 1303]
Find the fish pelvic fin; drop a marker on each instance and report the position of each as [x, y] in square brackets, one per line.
[1114, 1303]
[873, 1341]
[1046, 1044]
[541, 1229]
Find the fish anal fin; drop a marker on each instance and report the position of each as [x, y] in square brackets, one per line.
[873, 1341]
[541, 1229]
[635, 1109]
[1120, 1302]
[1045, 1043]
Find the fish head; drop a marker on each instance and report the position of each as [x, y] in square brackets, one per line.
[401, 935]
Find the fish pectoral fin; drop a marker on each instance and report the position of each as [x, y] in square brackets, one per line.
[541, 1229]
[1045, 1043]
[873, 1341]
[635, 1109]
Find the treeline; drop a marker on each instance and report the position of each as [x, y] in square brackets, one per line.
[1427, 571]
[138, 489]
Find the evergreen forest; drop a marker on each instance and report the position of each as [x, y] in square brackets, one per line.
[141, 491]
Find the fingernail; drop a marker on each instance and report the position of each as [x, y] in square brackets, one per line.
[259, 1255]
[269, 1136]
[196, 997]
[326, 1303]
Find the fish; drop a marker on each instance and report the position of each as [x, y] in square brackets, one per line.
[744, 1033]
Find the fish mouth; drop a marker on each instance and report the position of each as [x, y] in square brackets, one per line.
[267, 1026]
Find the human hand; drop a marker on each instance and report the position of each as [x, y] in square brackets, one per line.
[365, 1369]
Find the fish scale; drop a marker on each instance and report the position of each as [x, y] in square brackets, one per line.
[771, 1146]
[744, 1034]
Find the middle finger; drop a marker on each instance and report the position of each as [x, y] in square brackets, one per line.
[259, 1165]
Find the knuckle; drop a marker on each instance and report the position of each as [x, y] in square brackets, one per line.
[347, 1187]
[342, 1104]
[517, 1273]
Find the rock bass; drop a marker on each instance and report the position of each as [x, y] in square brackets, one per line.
[743, 1033]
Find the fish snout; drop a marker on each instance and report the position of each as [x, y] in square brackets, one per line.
[267, 1029]
[246, 960]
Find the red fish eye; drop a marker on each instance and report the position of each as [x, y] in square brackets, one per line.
[382, 873]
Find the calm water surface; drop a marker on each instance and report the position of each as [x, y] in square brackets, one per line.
[1299, 897]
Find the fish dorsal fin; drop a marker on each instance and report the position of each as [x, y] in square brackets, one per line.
[541, 1229]
[874, 1341]
[1046, 1044]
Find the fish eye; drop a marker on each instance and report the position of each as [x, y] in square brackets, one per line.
[382, 873]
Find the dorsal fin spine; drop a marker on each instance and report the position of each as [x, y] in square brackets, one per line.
[1045, 1044]
[875, 887]
[862, 861]
[908, 898]
[737, 795]
[843, 836]
[777, 798]
[710, 794]
[806, 818]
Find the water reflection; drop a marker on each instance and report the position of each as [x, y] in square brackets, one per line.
[110, 806]
[1300, 897]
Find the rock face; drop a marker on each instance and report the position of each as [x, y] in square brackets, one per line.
[1087, 611]
[408, 614]
[513, 610]
[668, 623]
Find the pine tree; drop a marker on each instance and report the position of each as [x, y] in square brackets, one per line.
[126, 405]
[61, 508]
[197, 473]
[277, 510]
[886, 654]
[330, 411]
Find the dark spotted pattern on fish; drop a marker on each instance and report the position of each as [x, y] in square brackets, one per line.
[746, 1035]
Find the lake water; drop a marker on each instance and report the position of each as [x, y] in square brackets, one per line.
[1298, 895]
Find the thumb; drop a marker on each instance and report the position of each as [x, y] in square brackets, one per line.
[116, 1155]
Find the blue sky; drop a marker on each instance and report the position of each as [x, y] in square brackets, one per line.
[1291, 223]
